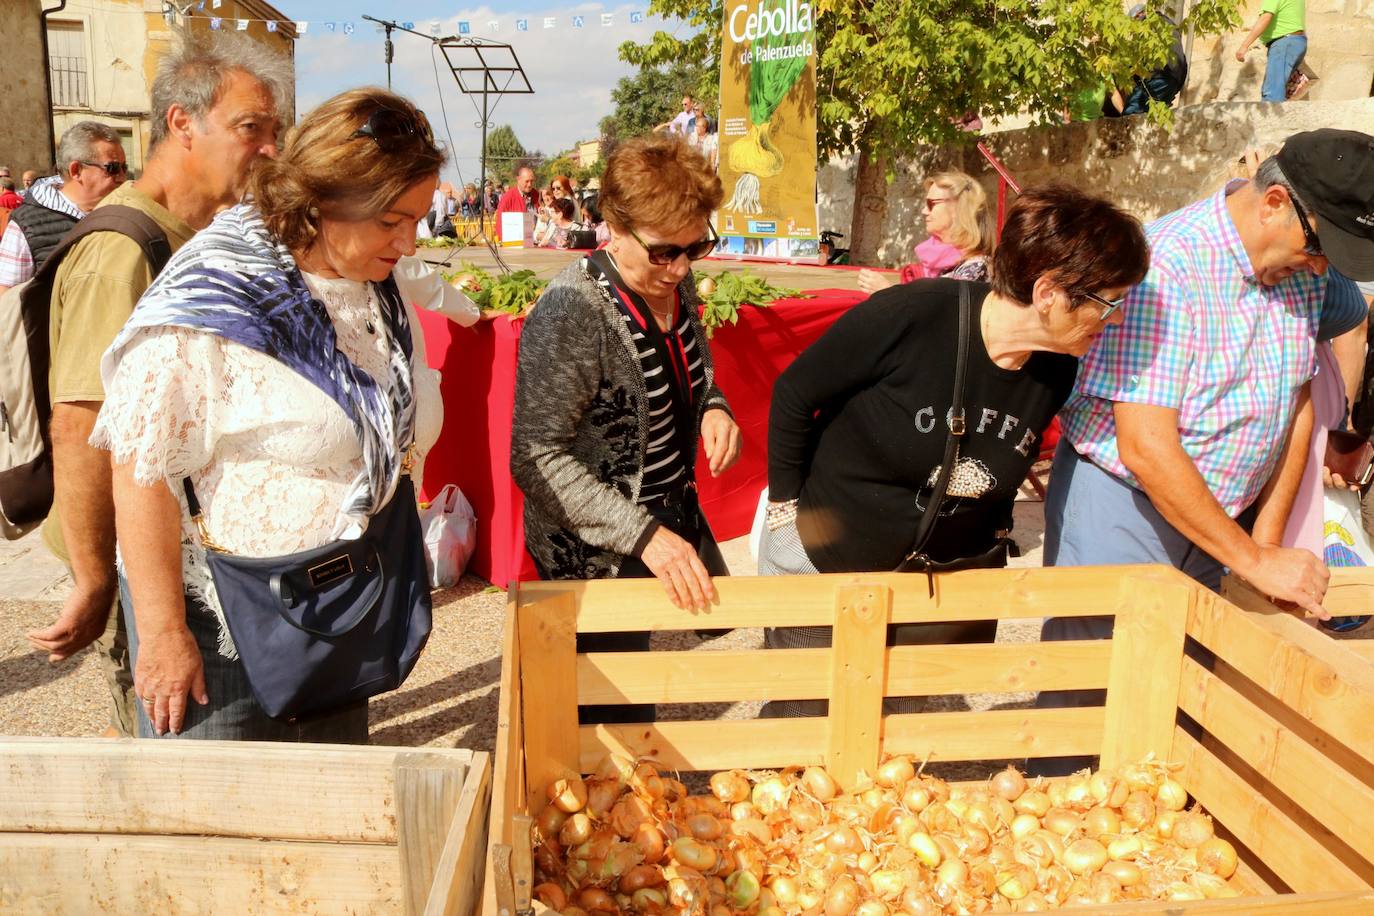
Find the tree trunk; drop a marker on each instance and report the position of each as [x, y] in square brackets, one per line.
[870, 208]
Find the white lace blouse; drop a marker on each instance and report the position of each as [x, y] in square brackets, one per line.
[270, 456]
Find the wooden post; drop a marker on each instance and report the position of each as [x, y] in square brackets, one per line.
[1146, 665]
[548, 687]
[857, 661]
[457, 886]
[428, 787]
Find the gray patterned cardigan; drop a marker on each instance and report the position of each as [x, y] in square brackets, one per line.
[581, 428]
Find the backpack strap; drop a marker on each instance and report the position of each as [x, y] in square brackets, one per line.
[36, 305]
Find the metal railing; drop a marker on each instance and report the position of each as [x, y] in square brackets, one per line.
[1004, 181]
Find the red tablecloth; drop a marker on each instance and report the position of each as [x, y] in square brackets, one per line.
[473, 451]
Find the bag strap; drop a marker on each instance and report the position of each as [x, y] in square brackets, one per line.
[956, 431]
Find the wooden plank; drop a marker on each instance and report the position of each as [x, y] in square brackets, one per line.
[216, 788]
[1313, 674]
[1350, 591]
[1339, 801]
[48, 874]
[457, 887]
[427, 791]
[508, 789]
[1301, 862]
[763, 743]
[800, 674]
[753, 601]
[1148, 636]
[857, 660]
[548, 690]
[1364, 648]
[1335, 903]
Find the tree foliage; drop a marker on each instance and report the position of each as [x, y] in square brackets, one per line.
[505, 153]
[654, 94]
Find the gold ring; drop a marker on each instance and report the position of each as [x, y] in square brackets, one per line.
[150, 699]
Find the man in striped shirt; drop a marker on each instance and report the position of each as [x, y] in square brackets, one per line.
[1180, 444]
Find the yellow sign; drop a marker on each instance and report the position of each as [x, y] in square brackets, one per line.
[768, 131]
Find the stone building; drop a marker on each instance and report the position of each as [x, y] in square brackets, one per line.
[101, 59]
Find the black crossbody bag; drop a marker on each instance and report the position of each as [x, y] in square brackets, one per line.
[917, 560]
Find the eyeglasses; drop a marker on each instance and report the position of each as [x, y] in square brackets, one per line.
[932, 201]
[113, 168]
[391, 130]
[1109, 306]
[1313, 245]
[663, 255]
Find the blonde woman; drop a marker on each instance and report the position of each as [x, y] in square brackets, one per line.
[962, 235]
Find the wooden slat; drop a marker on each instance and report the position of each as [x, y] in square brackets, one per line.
[1147, 637]
[1364, 648]
[760, 743]
[508, 777]
[457, 887]
[547, 687]
[1329, 904]
[1350, 591]
[1310, 672]
[746, 601]
[427, 790]
[801, 674]
[1340, 802]
[856, 682]
[217, 788]
[52, 874]
[1301, 862]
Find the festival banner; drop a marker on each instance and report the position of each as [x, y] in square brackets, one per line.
[768, 131]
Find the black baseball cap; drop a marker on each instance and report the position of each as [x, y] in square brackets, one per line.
[1333, 172]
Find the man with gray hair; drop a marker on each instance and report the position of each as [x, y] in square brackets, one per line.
[90, 162]
[217, 103]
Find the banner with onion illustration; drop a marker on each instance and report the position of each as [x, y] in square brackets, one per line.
[768, 131]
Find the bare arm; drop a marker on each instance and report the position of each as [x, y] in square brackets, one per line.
[1153, 452]
[81, 482]
[169, 665]
[1261, 24]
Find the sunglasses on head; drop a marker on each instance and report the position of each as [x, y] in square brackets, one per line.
[1109, 306]
[663, 255]
[392, 130]
[113, 168]
[1313, 245]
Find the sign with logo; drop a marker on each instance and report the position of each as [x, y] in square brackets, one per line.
[768, 131]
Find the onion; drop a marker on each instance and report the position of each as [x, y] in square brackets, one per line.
[639, 877]
[1085, 856]
[819, 783]
[952, 874]
[551, 895]
[615, 767]
[1003, 810]
[595, 900]
[1139, 809]
[1192, 830]
[568, 795]
[674, 790]
[805, 814]
[1104, 889]
[770, 795]
[896, 773]
[1034, 902]
[1023, 825]
[548, 857]
[1181, 891]
[1062, 822]
[743, 811]
[1128, 874]
[980, 813]
[842, 897]
[1171, 795]
[918, 902]
[809, 900]
[742, 889]
[1212, 886]
[1218, 857]
[1164, 823]
[1035, 852]
[646, 781]
[1009, 784]
[548, 823]
[924, 846]
[887, 883]
[982, 878]
[629, 813]
[649, 900]
[1077, 793]
[948, 848]
[576, 830]
[1126, 847]
[1032, 801]
[704, 827]
[730, 787]
[688, 851]
[916, 797]
[1015, 881]
[876, 797]
[573, 911]
[617, 861]
[843, 840]
[871, 908]
[973, 841]
[753, 828]
[650, 841]
[601, 796]
[939, 817]
[1101, 820]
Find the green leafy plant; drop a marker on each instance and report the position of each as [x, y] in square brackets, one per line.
[722, 295]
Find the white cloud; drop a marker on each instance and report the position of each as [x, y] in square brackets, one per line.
[572, 72]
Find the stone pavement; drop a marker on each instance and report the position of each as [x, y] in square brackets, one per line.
[29, 571]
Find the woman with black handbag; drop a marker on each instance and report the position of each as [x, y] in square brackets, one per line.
[898, 440]
[264, 406]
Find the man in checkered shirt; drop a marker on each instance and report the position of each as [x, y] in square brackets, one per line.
[1180, 444]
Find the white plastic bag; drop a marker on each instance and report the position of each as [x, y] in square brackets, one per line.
[450, 528]
[1344, 541]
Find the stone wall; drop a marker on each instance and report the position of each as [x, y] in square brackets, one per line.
[1340, 50]
[1147, 169]
[25, 141]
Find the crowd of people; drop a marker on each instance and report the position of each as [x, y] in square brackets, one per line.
[242, 408]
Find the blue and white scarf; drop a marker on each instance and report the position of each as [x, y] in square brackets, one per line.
[235, 280]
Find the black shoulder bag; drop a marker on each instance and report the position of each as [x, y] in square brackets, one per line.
[918, 560]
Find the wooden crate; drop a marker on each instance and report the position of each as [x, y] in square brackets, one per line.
[1285, 764]
[105, 826]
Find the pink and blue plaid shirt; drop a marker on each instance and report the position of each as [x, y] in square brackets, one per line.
[1203, 337]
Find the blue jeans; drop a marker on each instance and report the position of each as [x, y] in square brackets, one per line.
[1157, 86]
[1284, 56]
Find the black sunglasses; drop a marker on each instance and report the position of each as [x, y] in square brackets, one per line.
[113, 168]
[392, 130]
[663, 255]
[1313, 245]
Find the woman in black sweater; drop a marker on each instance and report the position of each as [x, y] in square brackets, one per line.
[857, 429]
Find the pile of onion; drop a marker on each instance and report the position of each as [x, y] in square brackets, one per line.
[629, 839]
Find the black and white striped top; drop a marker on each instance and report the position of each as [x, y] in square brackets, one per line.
[667, 357]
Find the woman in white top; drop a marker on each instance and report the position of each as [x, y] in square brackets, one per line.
[275, 365]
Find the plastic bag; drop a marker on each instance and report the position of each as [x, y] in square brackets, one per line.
[450, 528]
[1344, 541]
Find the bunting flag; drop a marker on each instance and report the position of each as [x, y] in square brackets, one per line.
[434, 27]
[522, 25]
[215, 23]
[241, 25]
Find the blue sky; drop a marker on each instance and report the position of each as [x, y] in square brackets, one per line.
[572, 71]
